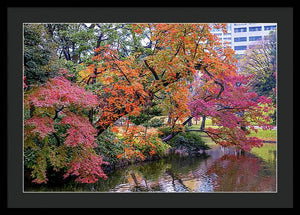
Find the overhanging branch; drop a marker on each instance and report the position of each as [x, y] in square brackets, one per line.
[152, 70]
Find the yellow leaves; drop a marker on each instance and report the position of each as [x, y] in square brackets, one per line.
[86, 73]
[29, 143]
[139, 142]
[107, 80]
[58, 157]
[39, 111]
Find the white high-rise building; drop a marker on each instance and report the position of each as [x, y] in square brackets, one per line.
[241, 36]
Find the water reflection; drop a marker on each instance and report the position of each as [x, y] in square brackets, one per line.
[217, 170]
[240, 173]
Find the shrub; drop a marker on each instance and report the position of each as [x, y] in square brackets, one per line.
[191, 140]
[165, 131]
[109, 148]
[155, 123]
[145, 115]
[141, 143]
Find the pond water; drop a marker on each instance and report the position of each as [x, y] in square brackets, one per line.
[218, 170]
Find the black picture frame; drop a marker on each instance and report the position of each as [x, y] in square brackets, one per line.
[12, 156]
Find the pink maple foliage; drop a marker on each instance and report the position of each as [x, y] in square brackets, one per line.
[42, 125]
[87, 167]
[80, 132]
[233, 110]
[61, 96]
[24, 82]
[61, 92]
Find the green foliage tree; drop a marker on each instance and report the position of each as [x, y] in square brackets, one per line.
[40, 59]
[129, 78]
[260, 61]
[76, 42]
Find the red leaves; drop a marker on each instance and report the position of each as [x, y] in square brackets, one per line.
[200, 107]
[61, 92]
[24, 82]
[128, 85]
[87, 167]
[61, 96]
[42, 125]
[80, 132]
[139, 142]
[39, 181]
[233, 110]
[114, 129]
[137, 29]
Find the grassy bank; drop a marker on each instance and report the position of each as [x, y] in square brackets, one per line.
[267, 152]
[265, 134]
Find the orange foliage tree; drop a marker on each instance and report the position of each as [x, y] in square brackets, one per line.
[132, 83]
[163, 74]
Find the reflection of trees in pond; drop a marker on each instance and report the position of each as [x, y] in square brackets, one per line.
[115, 178]
[184, 165]
[152, 171]
[137, 177]
[241, 173]
[216, 172]
[175, 178]
[181, 171]
[147, 176]
[268, 155]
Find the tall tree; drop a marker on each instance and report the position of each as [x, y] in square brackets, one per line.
[58, 127]
[260, 62]
[178, 52]
[40, 59]
[155, 67]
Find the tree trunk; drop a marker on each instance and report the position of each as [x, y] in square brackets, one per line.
[91, 112]
[32, 109]
[190, 123]
[134, 179]
[175, 133]
[169, 119]
[203, 123]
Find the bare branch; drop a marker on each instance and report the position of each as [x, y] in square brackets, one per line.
[152, 70]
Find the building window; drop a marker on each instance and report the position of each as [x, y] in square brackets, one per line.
[267, 37]
[236, 30]
[271, 27]
[227, 38]
[216, 29]
[255, 38]
[257, 28]
[217, 34]
[237, 48]
[240, 39]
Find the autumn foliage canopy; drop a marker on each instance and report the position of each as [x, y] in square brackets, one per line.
[186, 72]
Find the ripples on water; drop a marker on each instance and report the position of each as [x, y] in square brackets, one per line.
[218, 170]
